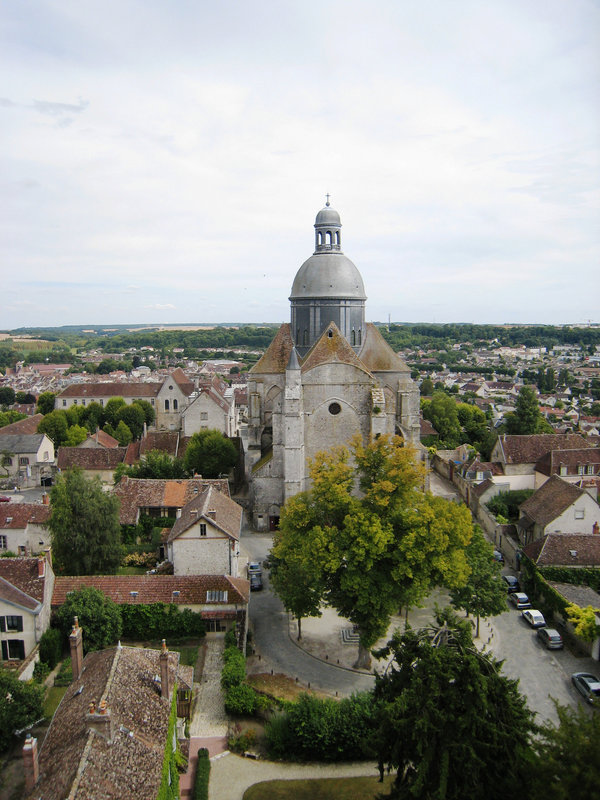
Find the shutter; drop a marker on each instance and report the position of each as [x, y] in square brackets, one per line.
[3, 625]
[19, 624]
[4, 650]
[21, 645]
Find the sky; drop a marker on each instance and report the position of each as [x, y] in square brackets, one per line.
[163, 162]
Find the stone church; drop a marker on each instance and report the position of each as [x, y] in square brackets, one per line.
[326, 376]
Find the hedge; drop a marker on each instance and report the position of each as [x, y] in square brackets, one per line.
[169, 787]
[202, 775]
[51, 647]
[159, 621]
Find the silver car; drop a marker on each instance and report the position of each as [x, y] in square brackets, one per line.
[519, 600]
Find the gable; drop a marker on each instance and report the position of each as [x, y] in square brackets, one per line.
[330, 348]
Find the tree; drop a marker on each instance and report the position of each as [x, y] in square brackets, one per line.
[474, 423]
[426, 387]
[584, 621]
[8, 417]
[134, 417]
[98, 615]
[21, 704]
[566, 764]
[381, 551]
[450, 725]
[155, 464]
[442, 412]
[55, 425]
[210, 453]
[84, 526]
[7, 396]
[111, 410]
[149, 414]
[483, 594]
[76, 434]
[526, 418]
[24, 398]
[122, 434]
[93, 416]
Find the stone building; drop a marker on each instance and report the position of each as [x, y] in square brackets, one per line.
[326, 376]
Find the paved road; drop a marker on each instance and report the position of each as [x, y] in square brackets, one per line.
[271, 636]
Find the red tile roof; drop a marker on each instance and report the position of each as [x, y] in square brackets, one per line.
[332, 347]
[15, 516]
[98, 458]
[227, 514]
[22, 573]
[277, 355]
[97, 390]
[26, 426]
[529, 449]
[551, 462]
[135, 493]
[551, 500]
[565, 550]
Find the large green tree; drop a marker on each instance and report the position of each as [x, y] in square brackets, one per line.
[526, 418]
[55, 425]
[98, 615]
[483, 594]
[134, 417]
[374, 553]
[45, 402]
[209, 453]
[7, 396]
[442, 412]
[155, 464]
[21, 704]
[450, 725]
[84, 525]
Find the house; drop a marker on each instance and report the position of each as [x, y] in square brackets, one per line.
[210, 409]
[572, 465]
[206, 535]
[565, 550]
[26, 459]
[160, 498]
[557, 507]
[221, 599]
[98, 462]
[518, 455]
[100, 439]
[23, 527]
[111, 734]
[26, 586]
[27, 426]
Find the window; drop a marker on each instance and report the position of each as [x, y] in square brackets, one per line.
[101, 401]
[64, 402]
[166, 405]
[204, 415]
[203, 529]
[360, 335]
[3, 542]
[13, 649]
[305, 337]
[46, 456]
[580, 469]
[174, 404]
[334, 408]
[7, 461]
[353, 337]
[83, 402]
[12, 623]
[75, 402]
[23, 461]
[579, 513]
[152, 401]
[589, 469]
[563, 469]
[216, 596]
[214, 626]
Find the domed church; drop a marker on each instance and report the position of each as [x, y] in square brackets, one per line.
[326, 376]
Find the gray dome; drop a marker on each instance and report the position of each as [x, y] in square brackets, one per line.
[328, 216]
[328, 275]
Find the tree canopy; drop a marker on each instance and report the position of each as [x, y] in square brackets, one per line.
[209, 453]
[98, 615]
[21, 704]
[526, 418]
[84, 526]
[372, 554]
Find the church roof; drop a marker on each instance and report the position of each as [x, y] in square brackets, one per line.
[377, 355]
[277, 355]
[328, 275]
[331, 347]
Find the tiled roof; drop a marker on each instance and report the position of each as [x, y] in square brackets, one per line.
[15, 516]
[182, 380]
[427, 428]
[556, 549]
[482, 487]
[582, 596]
[23, 574]
[21, 442]
[100, 458]
[137, 493]
[377, 355]
[551, 500]
[103, 439]
[529, 449]
[551, 462]
[155, 588]
[331, 347]
[277, 355]
[93, 390]
[228, 514]
[29, 425]
[79, 763]
[165, 441]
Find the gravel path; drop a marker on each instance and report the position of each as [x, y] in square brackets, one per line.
[209, 718]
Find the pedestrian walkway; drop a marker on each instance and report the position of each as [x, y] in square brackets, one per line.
[208, 716]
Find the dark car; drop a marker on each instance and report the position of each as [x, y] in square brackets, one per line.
[550, 638]
[512, 584]
[255, 582]
[519, 600]
[497, 556]
[588, 686]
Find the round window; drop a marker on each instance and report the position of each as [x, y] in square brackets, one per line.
[170, 388]
[334, 408]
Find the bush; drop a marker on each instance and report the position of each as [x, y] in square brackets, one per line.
[41, 671]
[160, 621]
[242, 742]
[242, 700]
[202, 775]
[51, 647]
[65, 674]
[230, 638]
[234, 671]
[506, 504]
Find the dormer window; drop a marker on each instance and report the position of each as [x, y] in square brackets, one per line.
[563, 469]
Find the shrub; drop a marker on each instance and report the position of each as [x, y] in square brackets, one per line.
[230, 638]
[41, 671]
[242, 742]
[65, 674]
[242, 700]
[202, 775]
[51, 647]
[160, 620]
[234, 670]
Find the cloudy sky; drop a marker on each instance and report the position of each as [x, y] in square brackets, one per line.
[163, 162]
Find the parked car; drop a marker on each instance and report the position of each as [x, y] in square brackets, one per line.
[534, 618]
[497, 556]
[255, 582]
[254, 568]
[512, 584]
[519, 600]
[587, 685]
[550, 638]
[4, 499]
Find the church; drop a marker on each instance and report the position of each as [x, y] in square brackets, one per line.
[326, 376]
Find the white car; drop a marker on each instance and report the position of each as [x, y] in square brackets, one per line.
[534, 618]
[254, 568]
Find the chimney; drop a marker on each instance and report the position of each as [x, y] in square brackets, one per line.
[41, 566]
[595, 528]
[48, 552]
[46, 499]
[212, 514]
[177, 513]
[164, 671]
[99, 720]
[76, 644]
[30, 762]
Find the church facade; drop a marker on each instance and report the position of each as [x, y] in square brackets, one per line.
[326, 376]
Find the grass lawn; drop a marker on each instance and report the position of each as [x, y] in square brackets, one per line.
[189, 654]
[131, 571]
[53, 697]
[365, 788]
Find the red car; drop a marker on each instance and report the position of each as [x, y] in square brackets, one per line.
[4, 499]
